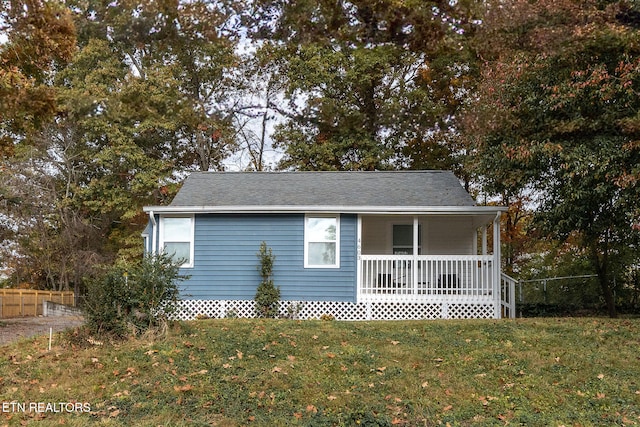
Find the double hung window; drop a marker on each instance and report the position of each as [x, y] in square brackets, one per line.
[403, 239]
[322, 242]
[176, 238]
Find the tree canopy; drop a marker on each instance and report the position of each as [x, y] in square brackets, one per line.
[105, 106]
[557, 116]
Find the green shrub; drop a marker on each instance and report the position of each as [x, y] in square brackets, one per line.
[267, 295]
[133, 299]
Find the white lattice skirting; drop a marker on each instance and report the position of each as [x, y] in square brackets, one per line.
[191, 309]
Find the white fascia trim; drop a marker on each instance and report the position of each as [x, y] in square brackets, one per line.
[379, 210]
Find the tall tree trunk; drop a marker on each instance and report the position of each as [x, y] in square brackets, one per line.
[600, 260]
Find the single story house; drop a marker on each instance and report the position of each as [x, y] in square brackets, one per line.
[353, 245]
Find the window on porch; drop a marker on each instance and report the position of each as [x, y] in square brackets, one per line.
[403, 239]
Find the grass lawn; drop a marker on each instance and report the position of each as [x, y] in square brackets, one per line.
[533, 372]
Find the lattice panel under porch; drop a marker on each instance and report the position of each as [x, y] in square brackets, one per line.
[192, 309]
[470, 311]
[404, 311]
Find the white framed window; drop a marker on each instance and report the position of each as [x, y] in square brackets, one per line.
[145, 243]
[176, 238]
[403, 239]
[322, 241]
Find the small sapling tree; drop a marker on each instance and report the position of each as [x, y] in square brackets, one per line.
[267, 295]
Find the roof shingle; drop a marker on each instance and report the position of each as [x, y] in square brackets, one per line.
[382, 188]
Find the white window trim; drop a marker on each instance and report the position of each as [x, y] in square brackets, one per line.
[145, 243]
[190, 240]
[306, 241]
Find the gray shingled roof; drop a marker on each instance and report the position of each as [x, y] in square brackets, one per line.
[393, 189]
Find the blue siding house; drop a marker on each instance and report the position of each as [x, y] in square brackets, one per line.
[354, 245]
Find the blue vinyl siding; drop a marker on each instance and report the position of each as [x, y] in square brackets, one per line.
[225, 261]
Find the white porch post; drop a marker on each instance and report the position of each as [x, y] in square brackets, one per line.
[359, 284]
[414, 262]
[484, 240]
[474, 249]
[496, 265]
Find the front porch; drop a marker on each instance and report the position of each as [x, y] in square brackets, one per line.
[443, 259]
[402, 277]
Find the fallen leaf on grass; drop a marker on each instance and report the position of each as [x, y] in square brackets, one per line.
[447, 408]
[600, 376]
[276, 369]
[395, 342]
[183, 388]
[122, 393]
[331, 397]
[312, 409]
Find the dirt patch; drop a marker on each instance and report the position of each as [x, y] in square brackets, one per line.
[14, 329]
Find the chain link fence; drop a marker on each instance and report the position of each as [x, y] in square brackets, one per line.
[569, 296]
[559, 296]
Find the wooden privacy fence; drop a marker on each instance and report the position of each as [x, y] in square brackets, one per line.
[27, 302]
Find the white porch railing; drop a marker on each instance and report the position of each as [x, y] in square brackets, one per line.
[426, 278]
[508, 296]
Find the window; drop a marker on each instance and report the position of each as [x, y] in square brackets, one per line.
[177, 238]
[145, 243]
[403, 239]
[322, 242]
